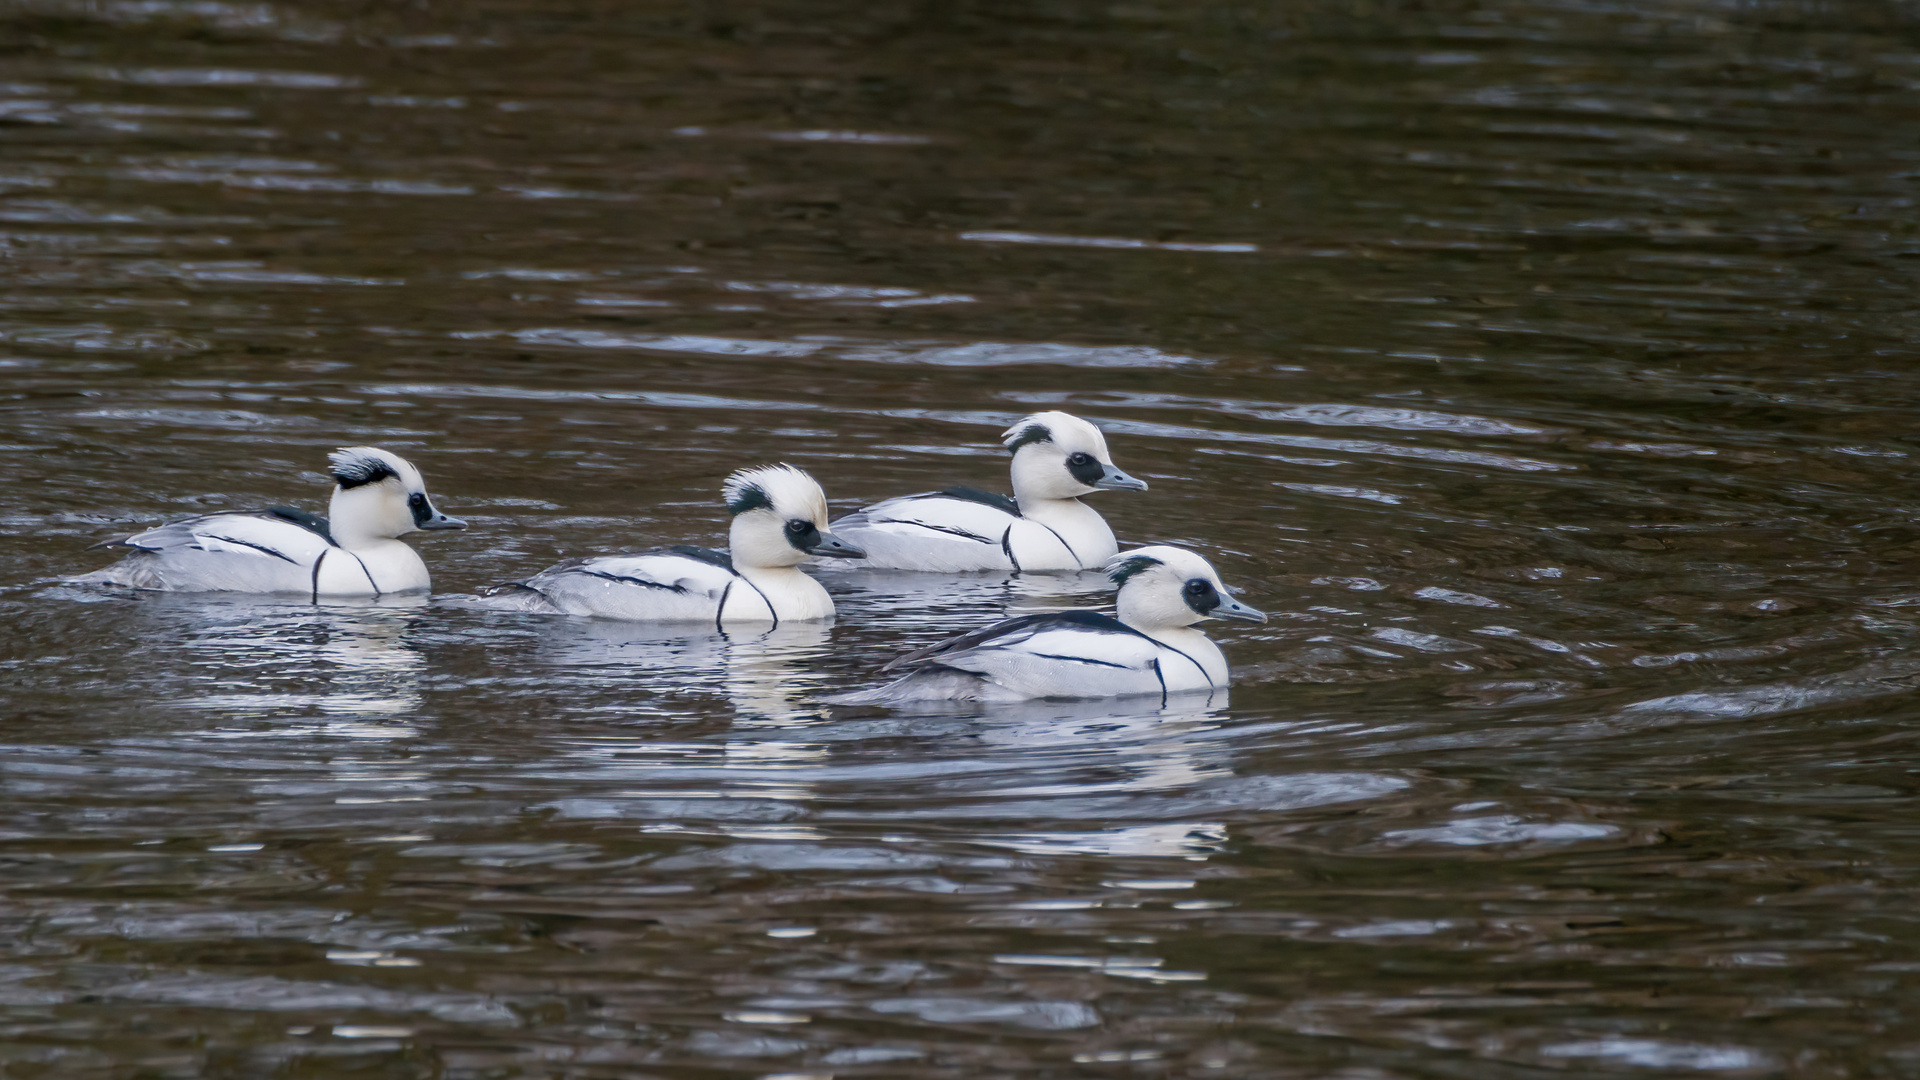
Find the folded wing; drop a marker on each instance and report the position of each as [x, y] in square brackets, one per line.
[943, 531]
[262, 551]
[1069, 654]
[682, 584]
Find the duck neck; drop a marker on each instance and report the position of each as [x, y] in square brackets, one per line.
[355, 519]
[774, 577]
[790, 593]
[1061, 514]
[1195, 645]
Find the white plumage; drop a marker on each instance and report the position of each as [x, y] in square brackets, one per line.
[779, 518]
[354, 551]
[1152, 648]
[1057, 458]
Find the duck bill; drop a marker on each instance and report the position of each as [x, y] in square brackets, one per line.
[830, 546]
[1112, 479]
[434, 519]
[1233, 609]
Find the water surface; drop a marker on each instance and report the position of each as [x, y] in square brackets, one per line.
[1545, 368]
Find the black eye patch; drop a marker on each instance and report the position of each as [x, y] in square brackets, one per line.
[802, 534]
[421, 508]
[1200, 595]
[1085, 468]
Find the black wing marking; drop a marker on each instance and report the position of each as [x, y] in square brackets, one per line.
[984, 498]
[313, 523]
[1023, 624]
[691, 551]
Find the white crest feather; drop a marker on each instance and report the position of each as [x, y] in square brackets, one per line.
[353, 466]
[787, 491]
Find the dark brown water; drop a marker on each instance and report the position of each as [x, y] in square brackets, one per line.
[1545, 366]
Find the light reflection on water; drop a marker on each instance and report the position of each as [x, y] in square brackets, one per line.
[1542, 368]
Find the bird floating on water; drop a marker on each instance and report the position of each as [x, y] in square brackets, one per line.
[378, 496]
[779, 519]
[1151, 648]
[1057, 458]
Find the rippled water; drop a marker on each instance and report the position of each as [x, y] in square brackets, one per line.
[1544, 366]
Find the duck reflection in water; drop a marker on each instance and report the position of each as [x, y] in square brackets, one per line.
[766, 675]
[351, 664]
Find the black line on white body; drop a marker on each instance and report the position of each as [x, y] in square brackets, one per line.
[254, 546]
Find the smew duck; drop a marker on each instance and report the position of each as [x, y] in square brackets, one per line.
[355, 550]
[1057, 458]
[779, 519]
[1151, 648]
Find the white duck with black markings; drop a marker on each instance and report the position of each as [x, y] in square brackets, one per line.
[1151, 648]
[1057, 459]
[355, 550]
[779, 519]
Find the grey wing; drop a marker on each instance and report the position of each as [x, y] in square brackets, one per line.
[931, 531]
[646, 587]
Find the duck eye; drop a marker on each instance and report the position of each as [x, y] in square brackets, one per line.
[1079, 459]
[417, 499]
[1196, 588]
[796, 526]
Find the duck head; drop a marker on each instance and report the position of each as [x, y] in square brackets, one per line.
[780, 518]
[1059, 456]
[1163, 587]
[379, 495]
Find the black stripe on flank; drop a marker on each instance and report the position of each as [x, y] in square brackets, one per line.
[948, 529]
[254, 546]
[1081, 660]
[1029, 624]
[627, 580]
[1158, 674]
[1006, 545]
[316, 575]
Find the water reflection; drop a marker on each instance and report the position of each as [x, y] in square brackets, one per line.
[769, 677]
[1543, 366]
[352, 666]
